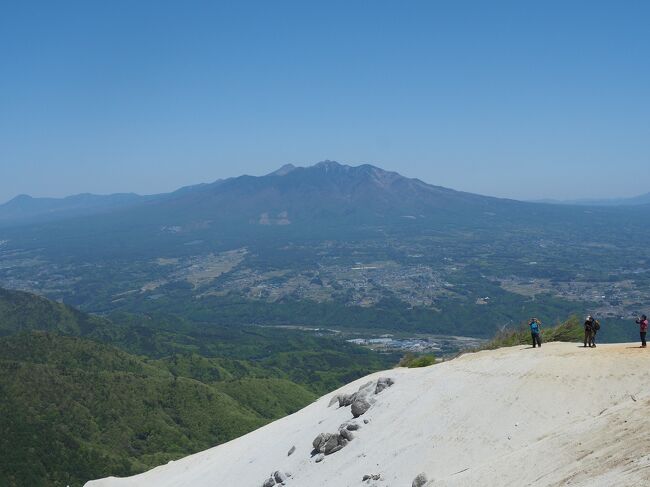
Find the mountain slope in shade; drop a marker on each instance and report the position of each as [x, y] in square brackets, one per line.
[326, 189]
[510, 417]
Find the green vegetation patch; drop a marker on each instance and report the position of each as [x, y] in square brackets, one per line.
[569, 331]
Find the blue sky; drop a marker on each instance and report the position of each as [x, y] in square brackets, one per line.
[519, 99]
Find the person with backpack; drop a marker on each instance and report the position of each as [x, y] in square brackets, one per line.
[596, 327]
[589, 330]
[535, 332]
[643, 328]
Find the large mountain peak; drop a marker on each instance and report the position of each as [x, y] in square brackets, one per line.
[328, 165]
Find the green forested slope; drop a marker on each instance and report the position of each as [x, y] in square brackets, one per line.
[20, 311]
[73, 409]
[83, 397]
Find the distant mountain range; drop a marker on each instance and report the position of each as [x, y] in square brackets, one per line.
[290, 194]
[24, 208]
[325, 190]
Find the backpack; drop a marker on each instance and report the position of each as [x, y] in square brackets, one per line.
[596, 325]
[534, 327]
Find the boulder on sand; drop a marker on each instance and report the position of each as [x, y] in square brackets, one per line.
[419, 481]
[359, 407]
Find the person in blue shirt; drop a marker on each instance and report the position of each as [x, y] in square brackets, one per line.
[535, 332]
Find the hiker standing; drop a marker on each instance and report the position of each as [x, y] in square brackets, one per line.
[589, 330]
[595, 327]
[535, 332]
[643, 328]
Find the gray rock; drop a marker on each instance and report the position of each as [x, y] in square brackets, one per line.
[334, 400]
[345, 433]
[346, 399]
[366, 421]
[383, 383]
[280, 476]
[351, 426]
[419, 481]
[367, 387]
[291, 450]
[319, 458]
[374, 476]
[270, 482]
[359, 407]
[331, 445]
[327, 443]
[335, 449]
[320, 441]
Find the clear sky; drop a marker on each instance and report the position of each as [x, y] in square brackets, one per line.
[521, 99]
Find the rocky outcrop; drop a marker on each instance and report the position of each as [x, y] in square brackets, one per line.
[362, 400]
[281, 477]
[277, 478]
[360, 406]
[328, 443]
[383, 383]
[420, 481]
[374, 476]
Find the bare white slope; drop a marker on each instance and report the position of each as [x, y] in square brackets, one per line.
[559, 415]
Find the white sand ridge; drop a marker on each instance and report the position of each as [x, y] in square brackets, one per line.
[559, 415]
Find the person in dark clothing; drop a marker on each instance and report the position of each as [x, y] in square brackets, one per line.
[589, 331]
[535, 332]
[594, 330]
[643, 329]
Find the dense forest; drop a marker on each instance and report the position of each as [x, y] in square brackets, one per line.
[83, 397]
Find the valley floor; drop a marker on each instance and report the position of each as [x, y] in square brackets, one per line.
[559, 415]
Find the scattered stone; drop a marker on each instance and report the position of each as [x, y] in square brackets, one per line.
[374, 476]
[270, 482]
[383, 383]
[366, 421]
[419, 481]
[335, 449]
[359, 407]
[291, 450]
[328, 443]
[361, 400]
[345, 433]
[332, 444]
[320, 440]
[351, 426]
[280, 477]
[346, 399]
